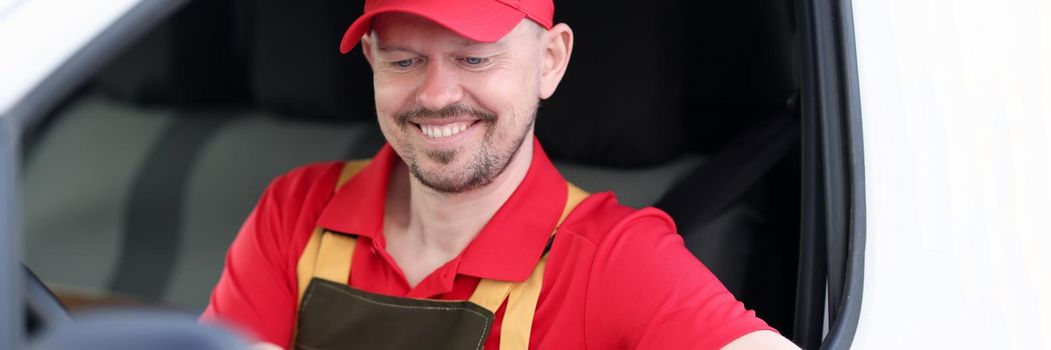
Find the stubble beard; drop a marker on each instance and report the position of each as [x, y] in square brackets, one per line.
[488, 163]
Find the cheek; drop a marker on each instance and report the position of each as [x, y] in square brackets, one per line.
[392, 94]
[512, 94]
[387, 98]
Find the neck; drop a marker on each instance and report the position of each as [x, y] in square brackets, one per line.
[437, 226]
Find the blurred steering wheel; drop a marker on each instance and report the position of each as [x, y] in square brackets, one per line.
[50, 327]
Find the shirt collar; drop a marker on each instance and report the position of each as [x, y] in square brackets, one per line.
[508, 246]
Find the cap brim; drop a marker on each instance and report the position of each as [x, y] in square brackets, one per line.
[482, 21]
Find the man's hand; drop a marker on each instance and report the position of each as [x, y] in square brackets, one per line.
[268, 346]
[760, 340]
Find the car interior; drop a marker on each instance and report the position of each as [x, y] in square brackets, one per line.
[136, 184]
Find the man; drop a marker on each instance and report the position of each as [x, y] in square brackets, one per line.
[460, 233]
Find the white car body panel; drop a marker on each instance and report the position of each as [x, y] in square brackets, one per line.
[38, 36]
[956, 113]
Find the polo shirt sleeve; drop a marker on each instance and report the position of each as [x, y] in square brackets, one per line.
[648, 288]
[257, 291]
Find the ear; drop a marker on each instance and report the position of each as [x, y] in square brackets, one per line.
[557, 47]
[366, 46]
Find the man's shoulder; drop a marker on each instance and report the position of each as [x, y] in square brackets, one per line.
[306, 179]
[601, 218]
[293, 201]
[302, 192]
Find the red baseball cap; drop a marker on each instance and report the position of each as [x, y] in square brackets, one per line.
[478, 20]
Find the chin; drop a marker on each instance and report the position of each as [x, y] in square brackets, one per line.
[456, 176]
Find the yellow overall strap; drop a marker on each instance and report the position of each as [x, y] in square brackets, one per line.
[521, 297]
[338, 249]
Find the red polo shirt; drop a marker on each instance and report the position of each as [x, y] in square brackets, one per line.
[617, 277]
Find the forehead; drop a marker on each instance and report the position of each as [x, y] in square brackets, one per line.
[396, 30]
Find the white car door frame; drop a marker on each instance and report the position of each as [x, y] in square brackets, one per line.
[50, 62]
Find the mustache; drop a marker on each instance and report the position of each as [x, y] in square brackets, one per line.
[454, 110]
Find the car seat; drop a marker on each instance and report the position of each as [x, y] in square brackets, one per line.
[138, 184]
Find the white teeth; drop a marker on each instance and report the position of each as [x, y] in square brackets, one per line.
[438, 131]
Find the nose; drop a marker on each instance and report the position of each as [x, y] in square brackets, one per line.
[440, 87]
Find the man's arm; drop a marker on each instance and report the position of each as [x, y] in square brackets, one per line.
[254, 293]
[647, 291]
[257, 290]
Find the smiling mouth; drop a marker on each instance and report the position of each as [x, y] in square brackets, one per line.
[439, 131]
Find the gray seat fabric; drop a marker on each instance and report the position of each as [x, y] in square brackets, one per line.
[79, 185]
[75, 186]
[80, 180]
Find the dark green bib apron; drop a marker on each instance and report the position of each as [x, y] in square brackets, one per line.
[333, 315]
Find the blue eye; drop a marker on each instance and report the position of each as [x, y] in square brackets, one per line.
[403, 63]
[474, 61]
